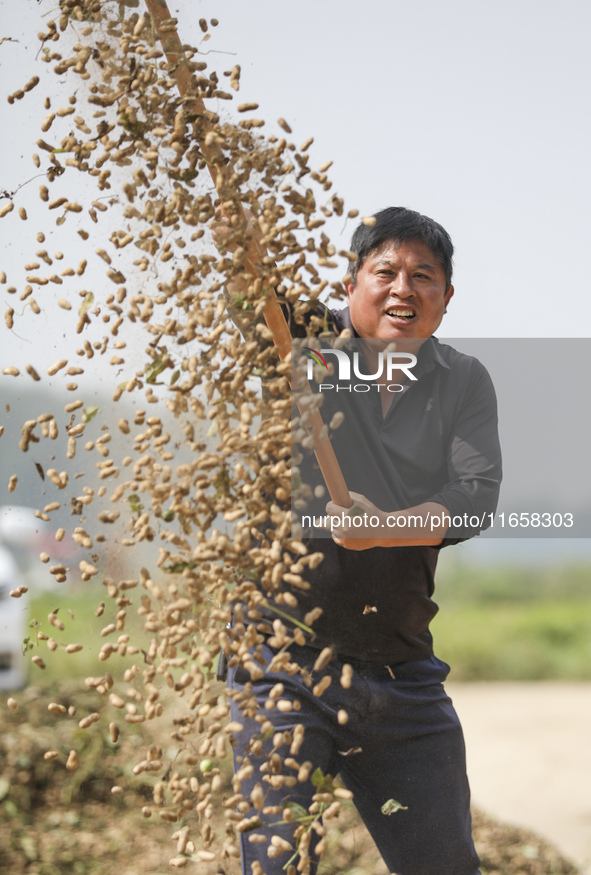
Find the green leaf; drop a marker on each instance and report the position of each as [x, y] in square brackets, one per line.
[300, 815]
[29, 846]
[317, 777]
[179, 567]
[134, 503]
[254, 824]
[391, 806]
[285, 616]
[86, 304]
[240, 301]
[134, 126]
[10, 808]
[296, 809]
[185, 175]
[156, 367]
[263, 736]
[89, 413]
[222, 483]
[174, 378]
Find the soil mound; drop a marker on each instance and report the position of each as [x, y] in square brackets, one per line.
[59, 822]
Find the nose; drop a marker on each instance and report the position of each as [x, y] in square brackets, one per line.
[402, 285]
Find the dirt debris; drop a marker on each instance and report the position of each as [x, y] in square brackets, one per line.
[71, 823]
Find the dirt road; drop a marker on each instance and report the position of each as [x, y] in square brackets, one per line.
[529, 757]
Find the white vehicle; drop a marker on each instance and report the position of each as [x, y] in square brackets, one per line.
[13, 625]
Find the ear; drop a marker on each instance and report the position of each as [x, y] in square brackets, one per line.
[350, 288]
[448, 296]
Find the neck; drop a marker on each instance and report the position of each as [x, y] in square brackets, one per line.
[372, 347]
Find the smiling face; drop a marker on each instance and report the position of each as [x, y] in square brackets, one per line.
[401, 292]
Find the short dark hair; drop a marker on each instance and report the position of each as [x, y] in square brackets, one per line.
[396, 224]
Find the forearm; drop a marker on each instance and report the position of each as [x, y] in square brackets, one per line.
[364, 525]
[423, 525]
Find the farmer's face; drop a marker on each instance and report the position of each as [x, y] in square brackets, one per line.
[401, 292]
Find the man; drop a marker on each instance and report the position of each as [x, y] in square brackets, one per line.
[426, 457]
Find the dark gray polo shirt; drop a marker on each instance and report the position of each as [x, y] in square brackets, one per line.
[437, 442]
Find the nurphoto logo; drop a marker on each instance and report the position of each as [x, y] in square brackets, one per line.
[387, 362]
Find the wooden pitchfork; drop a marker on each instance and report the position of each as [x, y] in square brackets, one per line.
[273, 314]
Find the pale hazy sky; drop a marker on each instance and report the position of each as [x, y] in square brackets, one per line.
[475, 113]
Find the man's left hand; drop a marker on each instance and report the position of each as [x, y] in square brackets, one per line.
[364, 525]
[368, 525]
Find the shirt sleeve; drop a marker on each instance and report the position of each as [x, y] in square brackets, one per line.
[474, 459]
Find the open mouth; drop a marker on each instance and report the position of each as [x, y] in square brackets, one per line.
[400, 313]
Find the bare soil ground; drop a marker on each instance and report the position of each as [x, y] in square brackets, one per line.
[529, 757]
[56, 822]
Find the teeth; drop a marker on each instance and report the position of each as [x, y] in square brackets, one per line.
[396, 312]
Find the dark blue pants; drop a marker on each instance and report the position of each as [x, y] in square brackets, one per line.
[411, 750]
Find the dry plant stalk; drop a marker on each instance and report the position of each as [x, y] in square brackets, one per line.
[206, 470]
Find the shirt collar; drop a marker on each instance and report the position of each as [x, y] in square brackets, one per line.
[430, 354]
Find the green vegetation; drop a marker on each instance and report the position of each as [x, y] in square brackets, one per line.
[512, 583]
[517, 623]
[76, 610]
[494, 624]
[536, 640]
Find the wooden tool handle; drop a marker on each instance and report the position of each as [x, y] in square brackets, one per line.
[272, 314]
